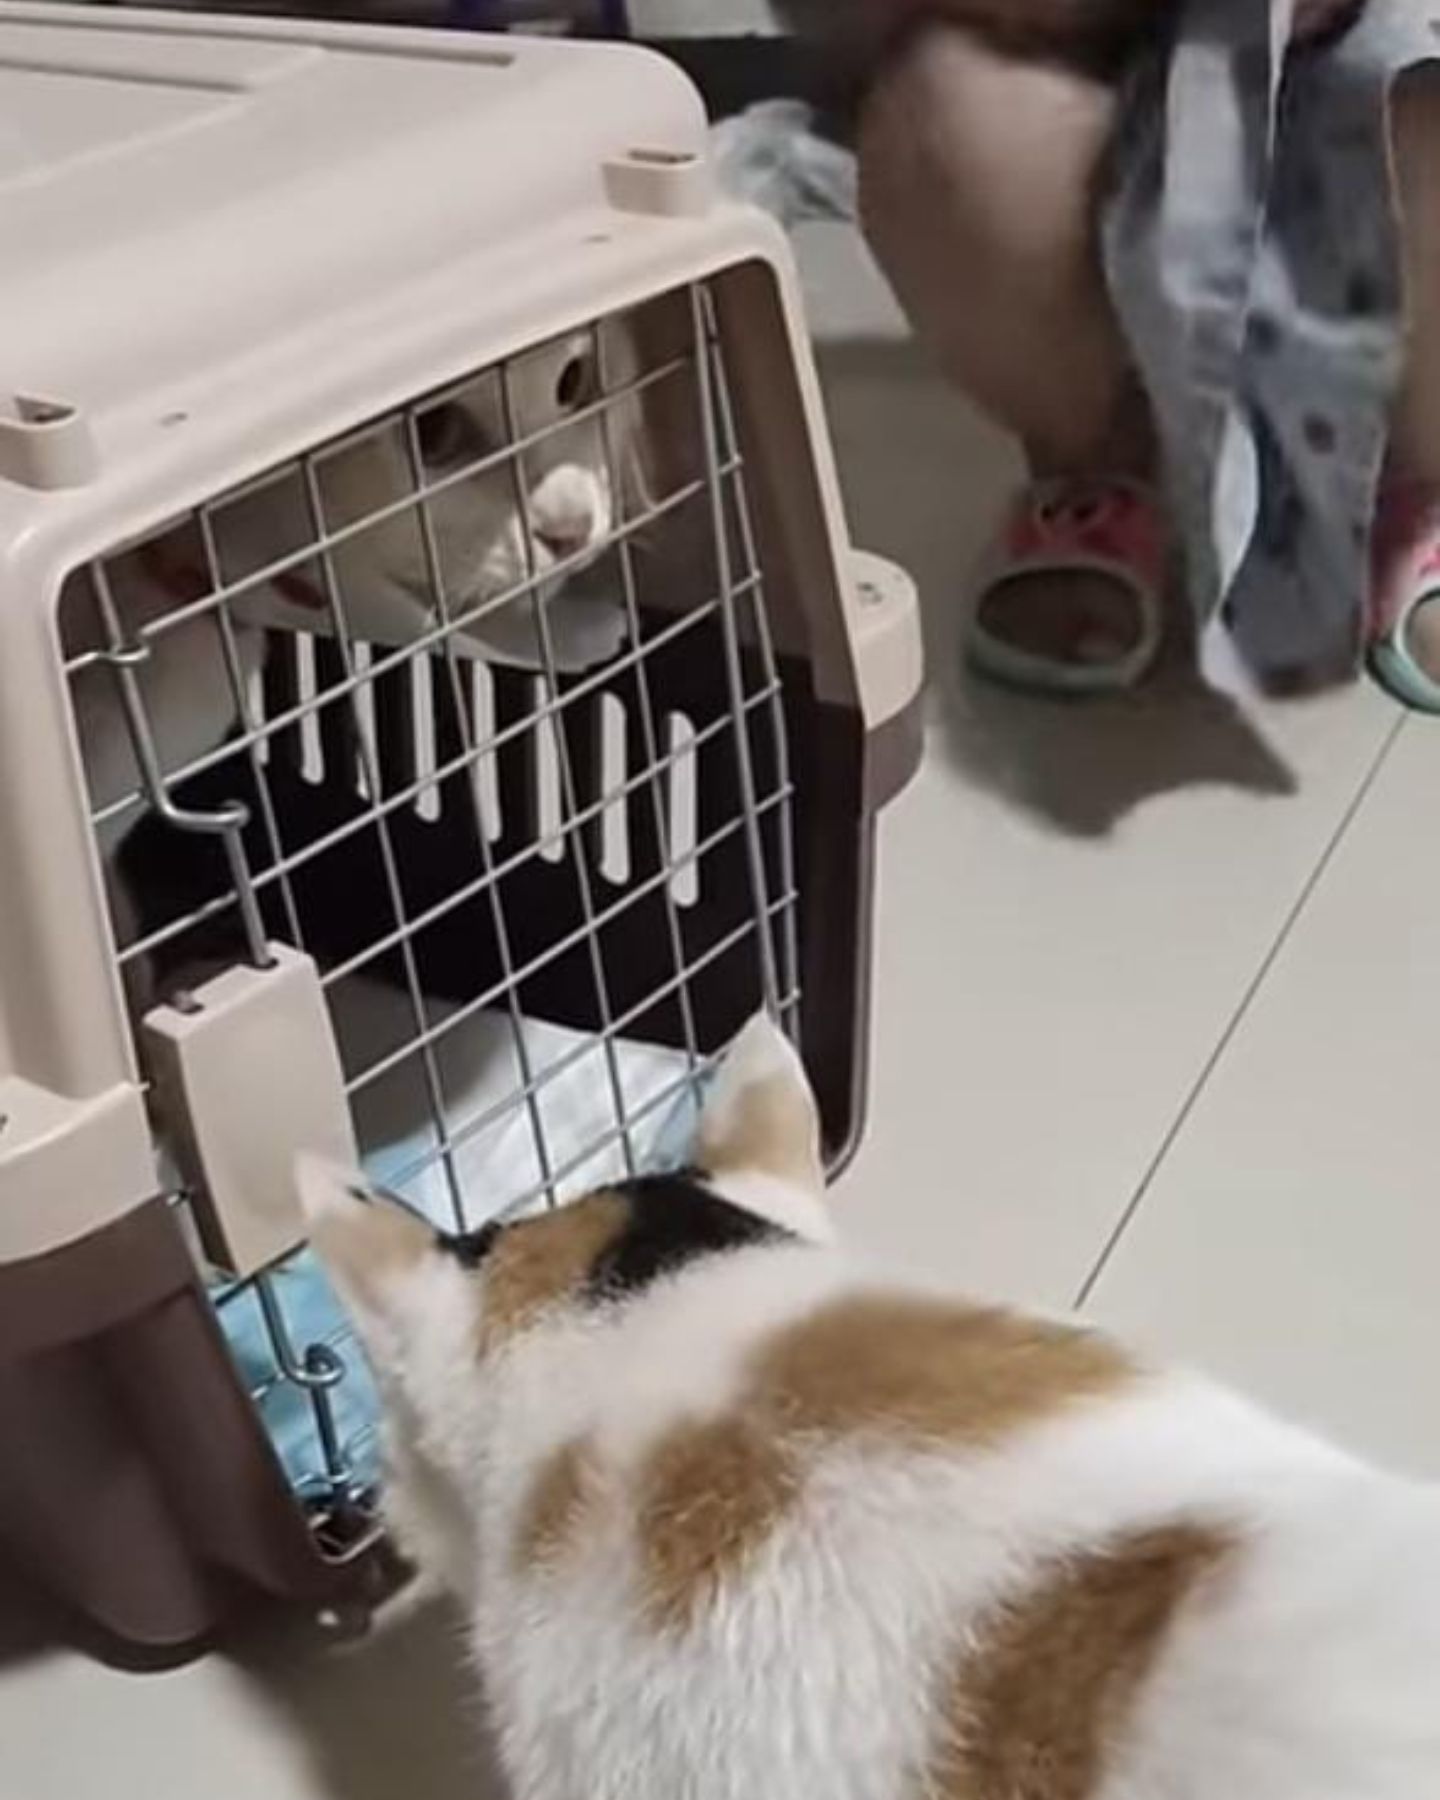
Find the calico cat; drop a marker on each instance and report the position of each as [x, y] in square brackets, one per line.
[562, 486]
[734, 1517]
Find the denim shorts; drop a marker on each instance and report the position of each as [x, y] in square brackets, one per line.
[1252, 251]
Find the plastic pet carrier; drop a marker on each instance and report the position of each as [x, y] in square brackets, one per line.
[438, 703]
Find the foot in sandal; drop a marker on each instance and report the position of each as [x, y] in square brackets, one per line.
[1404, 626]
[1072, 598]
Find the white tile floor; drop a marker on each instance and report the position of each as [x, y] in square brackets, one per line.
[1154, 1009]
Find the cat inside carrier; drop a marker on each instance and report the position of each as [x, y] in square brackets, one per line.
[438, 705]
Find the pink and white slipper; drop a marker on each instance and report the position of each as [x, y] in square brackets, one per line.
[1404, 580]
[1108, 527]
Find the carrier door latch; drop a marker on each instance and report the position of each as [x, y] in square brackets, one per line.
[249, 1076]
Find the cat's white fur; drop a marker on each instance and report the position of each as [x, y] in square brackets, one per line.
[383, 574]
[1309, 1669]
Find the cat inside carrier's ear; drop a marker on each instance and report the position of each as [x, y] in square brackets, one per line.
[760, 1116]
[365, 1238]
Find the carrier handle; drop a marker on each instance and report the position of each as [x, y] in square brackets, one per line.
[227, 822]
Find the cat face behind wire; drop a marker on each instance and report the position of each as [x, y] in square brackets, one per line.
[526, 476]
[493, 524]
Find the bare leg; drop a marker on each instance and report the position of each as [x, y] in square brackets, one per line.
[1415, 427]
[978, 179]
[1415, 437]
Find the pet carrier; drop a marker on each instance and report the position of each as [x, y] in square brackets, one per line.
[438, 703]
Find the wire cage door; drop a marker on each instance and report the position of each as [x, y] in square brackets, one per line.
[543, 891]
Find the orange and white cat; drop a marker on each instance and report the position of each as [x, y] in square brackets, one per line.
[734, 1516]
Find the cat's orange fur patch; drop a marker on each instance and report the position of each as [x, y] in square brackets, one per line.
[918, 1371]
[928, 1371]
[553, 1510]
[710, 1494]
[542, 1262]
[1041, 1693]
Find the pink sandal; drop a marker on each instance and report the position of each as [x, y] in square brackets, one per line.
[1405, 578]
[1112, 528]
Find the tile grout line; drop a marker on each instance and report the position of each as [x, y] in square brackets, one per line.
[1242, 1009]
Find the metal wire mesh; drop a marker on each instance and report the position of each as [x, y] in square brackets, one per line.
[570, 855]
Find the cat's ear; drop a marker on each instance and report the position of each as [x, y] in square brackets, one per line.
[366, 1240]
[759, 1116]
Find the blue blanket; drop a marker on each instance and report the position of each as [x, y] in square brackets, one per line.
[313, 1317]
[295, 1416]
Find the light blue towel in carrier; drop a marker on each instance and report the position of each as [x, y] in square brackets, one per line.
[326, 1437]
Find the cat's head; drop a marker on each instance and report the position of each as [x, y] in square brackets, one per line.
[497, 519]
[438, 1314]
[567, 474]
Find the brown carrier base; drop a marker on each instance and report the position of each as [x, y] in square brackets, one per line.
[137, 1485]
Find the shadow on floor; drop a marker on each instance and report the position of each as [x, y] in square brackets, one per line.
[1082, 767]
[390, 1712]
[925, 479]
[394, 1712]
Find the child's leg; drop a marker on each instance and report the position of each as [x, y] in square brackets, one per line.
[1415, 432]
[1415, 425]
[978, 186]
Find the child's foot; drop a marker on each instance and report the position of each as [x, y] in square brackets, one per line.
[1072, 600]
[1062, 616]
[1404, 626]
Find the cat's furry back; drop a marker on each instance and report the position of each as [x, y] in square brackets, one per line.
[733, 1518]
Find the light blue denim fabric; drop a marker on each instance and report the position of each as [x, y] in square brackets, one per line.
[1252, 251]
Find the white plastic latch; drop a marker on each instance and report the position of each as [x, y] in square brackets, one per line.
[250, 1077]
[671, 184]
[45, 443]
[885, 614]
